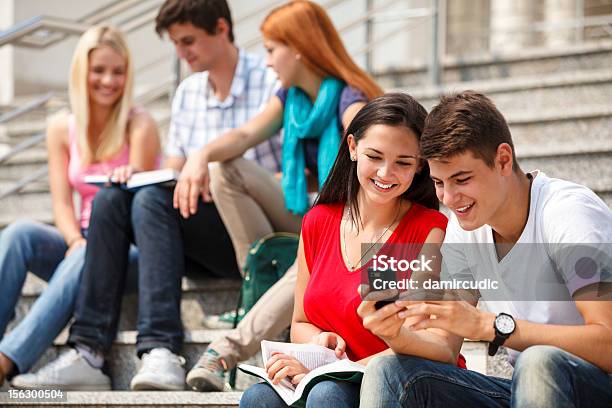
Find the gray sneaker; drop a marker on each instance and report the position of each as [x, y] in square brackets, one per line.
[69, 372]
[208, 374]
[160, 370]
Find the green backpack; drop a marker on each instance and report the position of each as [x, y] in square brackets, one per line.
[267, 261]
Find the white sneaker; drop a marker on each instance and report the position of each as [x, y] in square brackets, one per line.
[69, 372]
[160, 370]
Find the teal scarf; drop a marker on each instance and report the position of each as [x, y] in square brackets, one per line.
[303, 120]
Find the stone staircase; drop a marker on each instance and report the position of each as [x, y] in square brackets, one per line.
[200, 295]
[559, 108]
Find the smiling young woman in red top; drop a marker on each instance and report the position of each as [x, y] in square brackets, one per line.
[378, 192]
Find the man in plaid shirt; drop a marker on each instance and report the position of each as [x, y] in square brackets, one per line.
[229, 86]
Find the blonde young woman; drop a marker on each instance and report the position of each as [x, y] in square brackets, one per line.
[321, 91]
[103, 133]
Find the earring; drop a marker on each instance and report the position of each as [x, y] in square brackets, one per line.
[353, 158]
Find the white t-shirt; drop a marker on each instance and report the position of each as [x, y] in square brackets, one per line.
[548, 260]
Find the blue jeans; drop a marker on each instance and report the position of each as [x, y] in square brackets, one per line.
[336, 394]
[32, 246]
[544, 376]
[166, 244]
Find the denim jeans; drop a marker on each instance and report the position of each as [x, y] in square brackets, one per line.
[39, 248]
[544, 376]
[166, 243]
[336, 394]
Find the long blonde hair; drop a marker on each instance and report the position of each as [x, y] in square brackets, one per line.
[307, 28]
[113, 135]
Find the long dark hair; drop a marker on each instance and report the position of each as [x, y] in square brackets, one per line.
[393, 109]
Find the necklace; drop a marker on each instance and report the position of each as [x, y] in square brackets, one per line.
[352, 267]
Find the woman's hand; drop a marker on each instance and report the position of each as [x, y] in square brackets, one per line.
[121, 174]
[281, 366]
[76, 243]
[331, 341]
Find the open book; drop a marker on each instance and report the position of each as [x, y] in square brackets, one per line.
[164, 177]
[322, 362]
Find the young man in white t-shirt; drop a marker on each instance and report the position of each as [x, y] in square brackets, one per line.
[545, 242]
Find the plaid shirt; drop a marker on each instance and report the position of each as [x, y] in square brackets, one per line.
[198, 117]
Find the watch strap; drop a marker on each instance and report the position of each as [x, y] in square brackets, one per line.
[494, 345]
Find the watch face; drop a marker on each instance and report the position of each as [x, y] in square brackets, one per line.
[505, 324]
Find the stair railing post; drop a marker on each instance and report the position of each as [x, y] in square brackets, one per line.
[369, 34]
[434, 58]
[177, 75]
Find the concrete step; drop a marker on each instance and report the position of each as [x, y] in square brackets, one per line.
[201, 296]
[536, 62]
[26, 126]
[535, 94]
[478, 359]
[587, 129]
[24, 163]
[474, 352]
[24, 204]
[123, 362]
[40, 186]
[593, 170]
[23, 127]
[141, 399]
[43, 216]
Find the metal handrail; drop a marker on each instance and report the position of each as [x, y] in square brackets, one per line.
[602, 21]
[258, 11]
[27, 27]
[25, 145]
[143, 18]
[22, 183]
[44, 169]
[259, 39]
[153, 93]
[64, 27]
[26, 108]
[109, 10]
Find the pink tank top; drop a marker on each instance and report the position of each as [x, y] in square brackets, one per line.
[76, 171]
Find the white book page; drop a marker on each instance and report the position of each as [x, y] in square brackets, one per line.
[96, 179]
[291, 394]
[152, 177]
[284, 389]
[310, 355]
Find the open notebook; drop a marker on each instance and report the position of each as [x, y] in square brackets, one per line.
[165, 177]
[322, 362]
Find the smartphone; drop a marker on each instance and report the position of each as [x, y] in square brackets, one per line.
[385, 275]
[382, 303]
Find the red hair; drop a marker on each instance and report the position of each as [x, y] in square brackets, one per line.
[306, 27]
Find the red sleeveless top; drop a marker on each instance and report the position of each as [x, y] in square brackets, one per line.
[331, 298]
